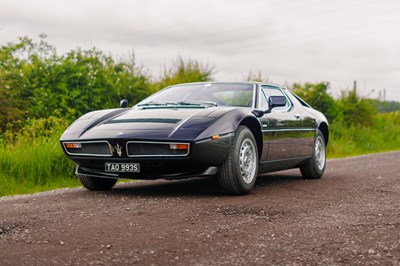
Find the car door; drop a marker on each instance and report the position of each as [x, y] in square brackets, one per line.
[281, 126]
[309, 126]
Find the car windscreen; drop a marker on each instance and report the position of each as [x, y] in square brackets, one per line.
[226, 94]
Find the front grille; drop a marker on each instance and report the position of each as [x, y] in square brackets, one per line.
[92, 148]
[156, 149]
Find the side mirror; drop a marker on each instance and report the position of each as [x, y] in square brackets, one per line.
[123, 103]
[276, 101]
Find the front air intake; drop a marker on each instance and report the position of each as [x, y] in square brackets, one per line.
[157, 149]
[88, 148]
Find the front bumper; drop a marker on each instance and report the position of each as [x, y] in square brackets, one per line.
[212, 170]
[204, 158]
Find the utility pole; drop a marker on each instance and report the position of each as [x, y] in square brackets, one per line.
[384, 95]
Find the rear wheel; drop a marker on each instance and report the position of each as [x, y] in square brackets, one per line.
[238, 173]
[315, 167]
[95, 183]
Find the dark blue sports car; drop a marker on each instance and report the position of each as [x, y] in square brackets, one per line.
[233, 131]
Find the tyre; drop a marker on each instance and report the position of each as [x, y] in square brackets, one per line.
[238, 174]
[96, 183]
[315, 166]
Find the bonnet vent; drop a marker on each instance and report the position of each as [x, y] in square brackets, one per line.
[144, 120]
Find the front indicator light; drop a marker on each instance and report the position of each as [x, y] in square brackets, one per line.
[215, 137]
[179, 146]
[73, 145]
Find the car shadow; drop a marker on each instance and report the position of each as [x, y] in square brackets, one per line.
[201, 186]
[278, 178]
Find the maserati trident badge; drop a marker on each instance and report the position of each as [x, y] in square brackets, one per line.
[118, 149]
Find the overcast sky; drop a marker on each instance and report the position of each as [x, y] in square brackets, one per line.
[287, 41]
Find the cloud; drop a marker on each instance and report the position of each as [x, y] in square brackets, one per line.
[336, 41]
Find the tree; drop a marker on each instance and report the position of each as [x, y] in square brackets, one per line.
[257, 76]
[35, 82]
[356, 110]
[85, 80]
[184, 71]
[318, 97]
[386, 106]
[14, 91]
[10, 110]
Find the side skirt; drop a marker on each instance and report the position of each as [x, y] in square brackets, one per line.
[279, 165]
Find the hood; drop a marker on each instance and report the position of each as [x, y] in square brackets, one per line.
[158, 123]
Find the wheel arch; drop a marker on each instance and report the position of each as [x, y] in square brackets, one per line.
[323, 127]
[254, 125]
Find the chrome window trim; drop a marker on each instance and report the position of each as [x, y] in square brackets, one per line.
[254, 100]
[289, 129]
[155, 155]
[254, 104]
[88, 154]
[282, 91]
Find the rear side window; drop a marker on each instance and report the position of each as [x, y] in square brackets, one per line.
[301, 101]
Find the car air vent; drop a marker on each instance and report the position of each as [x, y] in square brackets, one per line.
[149, 149]
[144, 120]
[89, 148]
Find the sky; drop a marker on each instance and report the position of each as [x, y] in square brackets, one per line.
[286, 41]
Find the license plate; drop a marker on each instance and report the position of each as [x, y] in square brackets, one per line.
[122, 167]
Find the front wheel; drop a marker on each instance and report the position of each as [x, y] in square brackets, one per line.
[315, 166]
[238, 174]
[95, 183]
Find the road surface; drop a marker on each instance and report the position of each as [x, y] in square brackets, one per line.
[350, 216]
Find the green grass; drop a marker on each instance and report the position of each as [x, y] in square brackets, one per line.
[34, 165]
[384, 135]
[32, 162]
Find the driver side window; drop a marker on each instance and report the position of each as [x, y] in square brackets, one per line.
[266, 92]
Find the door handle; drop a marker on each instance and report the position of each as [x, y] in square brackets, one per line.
[297, 115]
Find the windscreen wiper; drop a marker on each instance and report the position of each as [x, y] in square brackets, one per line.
[152, 103]
[190, 102]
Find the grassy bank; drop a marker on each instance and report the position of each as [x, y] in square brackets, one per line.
[33, 165]
[34, 160]
[383, 135]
